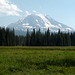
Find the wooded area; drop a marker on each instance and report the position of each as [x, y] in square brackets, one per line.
[36, 38]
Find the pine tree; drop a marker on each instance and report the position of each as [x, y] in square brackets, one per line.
[13, 38]
[0, 36]
[59, 39]
[72, 36]
[7, 36]
[48, 37]
[3, 39]
[38, 38]
[68, 40]
[33, 39]
[27, 38]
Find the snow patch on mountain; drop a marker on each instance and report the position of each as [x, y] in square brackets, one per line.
[36, 20]
[59, 25]
[25, 24]
[69, 29]
[47, 23]
[39, 25]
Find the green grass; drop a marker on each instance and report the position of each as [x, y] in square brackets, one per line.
[37, 60]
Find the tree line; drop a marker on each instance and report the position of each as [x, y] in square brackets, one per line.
[36, 38]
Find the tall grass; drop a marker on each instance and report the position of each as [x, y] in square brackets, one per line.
[37, 60]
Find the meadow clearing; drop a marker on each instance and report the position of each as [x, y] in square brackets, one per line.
[20, 60]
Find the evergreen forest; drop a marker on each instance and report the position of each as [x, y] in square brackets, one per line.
[36, 38]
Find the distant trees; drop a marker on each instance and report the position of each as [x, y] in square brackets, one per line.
[36, 38]
[7, 37]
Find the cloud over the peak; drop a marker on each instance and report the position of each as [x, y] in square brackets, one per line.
[8, 9]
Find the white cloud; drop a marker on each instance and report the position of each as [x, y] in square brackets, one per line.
[34, 11]
[8, 9]
[27, 13]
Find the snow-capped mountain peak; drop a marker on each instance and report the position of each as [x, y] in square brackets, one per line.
[36, 21]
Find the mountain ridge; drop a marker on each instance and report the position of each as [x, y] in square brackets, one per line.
[36, 21]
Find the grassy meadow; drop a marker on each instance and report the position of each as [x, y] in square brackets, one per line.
[37, 60]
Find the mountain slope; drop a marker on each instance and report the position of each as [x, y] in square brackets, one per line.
[36, 21]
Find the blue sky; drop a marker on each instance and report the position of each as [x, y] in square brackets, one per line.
[61, 10]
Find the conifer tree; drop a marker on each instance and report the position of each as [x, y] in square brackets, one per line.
[27, 38]
[33, 39]
[48, 37]
[7, 36]
[3, 39]
[38, 38]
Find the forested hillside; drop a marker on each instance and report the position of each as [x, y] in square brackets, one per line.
[36, 38]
